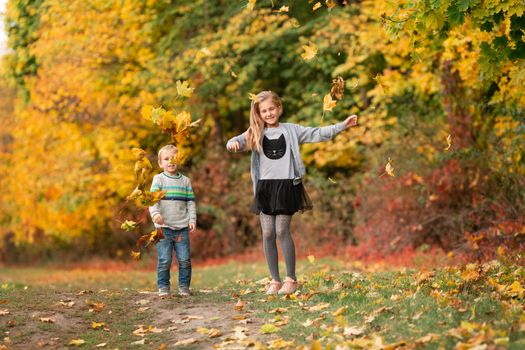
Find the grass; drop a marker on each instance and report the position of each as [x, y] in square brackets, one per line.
[338, 304]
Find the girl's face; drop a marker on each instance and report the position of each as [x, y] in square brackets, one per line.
[165, 163]
[270, 112]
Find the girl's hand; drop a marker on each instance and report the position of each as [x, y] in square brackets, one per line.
[233, 146]
[351, 121]
[158, 219]
[191, 227]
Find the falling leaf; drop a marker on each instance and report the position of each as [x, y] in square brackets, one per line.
[233, 74]
[252, 97]
[77, 342]
[316, 6]
[284, 9]
[128, 225]
[449, 142]
[251, 4]
[328, 103]
[138, 153]
[389, 168]
[135, 255]
[183, 88]
[311, 259]
[268, 328]
[332, 180]
[330, 4]
[310, 51]
[338, 88]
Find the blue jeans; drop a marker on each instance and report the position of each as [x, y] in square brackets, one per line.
[179, 241]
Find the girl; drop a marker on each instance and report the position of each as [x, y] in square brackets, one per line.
[277, 170]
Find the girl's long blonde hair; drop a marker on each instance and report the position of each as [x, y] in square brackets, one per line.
[256, 130]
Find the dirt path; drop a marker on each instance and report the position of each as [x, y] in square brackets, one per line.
[45, 319]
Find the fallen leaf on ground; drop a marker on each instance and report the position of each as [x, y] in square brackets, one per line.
[77, 342]
[268, 328]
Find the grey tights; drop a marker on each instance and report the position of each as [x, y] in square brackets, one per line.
[278, 226]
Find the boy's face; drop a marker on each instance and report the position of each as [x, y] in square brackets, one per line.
[165, 163]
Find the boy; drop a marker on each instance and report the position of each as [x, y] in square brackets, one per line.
[176, 214]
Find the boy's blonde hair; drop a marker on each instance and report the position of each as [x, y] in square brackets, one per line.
[256, 129]
[166, 148]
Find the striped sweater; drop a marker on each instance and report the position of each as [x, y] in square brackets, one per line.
[177, 208]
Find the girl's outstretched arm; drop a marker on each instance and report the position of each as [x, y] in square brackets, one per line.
[323, 133]
[351, 121]
[237, 143]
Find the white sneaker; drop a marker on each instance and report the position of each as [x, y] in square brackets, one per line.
[163, 292]
[184, 291]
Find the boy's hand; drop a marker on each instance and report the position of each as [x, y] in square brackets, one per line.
[158, 219]
[233, 146]
[191, 227]
[351, 121]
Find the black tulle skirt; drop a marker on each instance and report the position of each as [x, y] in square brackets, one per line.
[280, 197]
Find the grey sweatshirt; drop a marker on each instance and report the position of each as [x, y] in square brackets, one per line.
[177, 208]
[298, 135]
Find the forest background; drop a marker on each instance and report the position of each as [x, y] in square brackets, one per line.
[438, 86]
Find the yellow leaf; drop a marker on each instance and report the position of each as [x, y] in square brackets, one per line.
[316, 345]
[135, 255]
[128, 225]
[268, 328]
[316, 6]
[204, 52]
[183, 88]
[328, 103]
[330, 4]
[252, 97]
[47, 320]
[284, 9]
[145, 111]
[251, 4]
[138, 153]
[310, 51]
[203, 330]
[340, 311]
[449, 142]
[389, 168]
[311, 259]
[500, 251]
[516, 289]
[77, 342]
[332, 180]
[97, 325]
